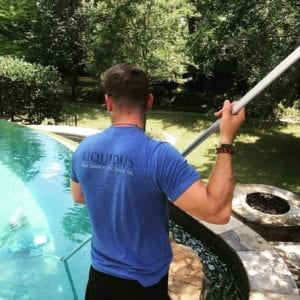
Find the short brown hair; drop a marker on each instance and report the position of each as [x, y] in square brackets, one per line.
[128, 84]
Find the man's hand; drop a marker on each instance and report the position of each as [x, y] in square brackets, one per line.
[229, 123]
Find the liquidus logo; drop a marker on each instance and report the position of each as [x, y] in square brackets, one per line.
[108, 161]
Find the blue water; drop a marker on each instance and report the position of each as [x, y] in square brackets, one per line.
[39, 223]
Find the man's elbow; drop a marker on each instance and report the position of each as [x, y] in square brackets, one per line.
[76, 192]
[79, 200]
[223, 216]
[217, 216]
[77, 196]
[223, 220]
[221, 211]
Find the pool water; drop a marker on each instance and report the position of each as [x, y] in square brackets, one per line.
[39, 223]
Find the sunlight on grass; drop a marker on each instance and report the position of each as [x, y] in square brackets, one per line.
[247, 138]
[292, 129]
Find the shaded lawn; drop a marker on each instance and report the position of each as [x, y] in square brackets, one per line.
[272, 157]
[264, 153]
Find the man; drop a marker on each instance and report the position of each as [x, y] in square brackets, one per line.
[125, 178]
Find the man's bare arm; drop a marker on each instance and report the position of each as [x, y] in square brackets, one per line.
[213, 202]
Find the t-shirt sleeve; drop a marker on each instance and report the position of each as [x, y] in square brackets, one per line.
[174, 174]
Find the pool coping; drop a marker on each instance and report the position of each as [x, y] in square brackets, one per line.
[268, 274]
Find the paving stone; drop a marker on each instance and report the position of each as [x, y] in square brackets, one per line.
[290, 252]
[272, 296]
[267, 272]
[218, 229]
[186, 275]
[245, 239]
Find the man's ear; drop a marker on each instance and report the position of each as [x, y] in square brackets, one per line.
[149, 102]
[108, 102]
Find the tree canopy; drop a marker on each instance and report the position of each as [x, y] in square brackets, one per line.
[242, 41]
[212, 49]
[14, 23]
[150, 33]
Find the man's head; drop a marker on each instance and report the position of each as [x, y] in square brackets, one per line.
[127, 85]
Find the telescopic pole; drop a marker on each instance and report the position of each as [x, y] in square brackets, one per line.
[257, 89]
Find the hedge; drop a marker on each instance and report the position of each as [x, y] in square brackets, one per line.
[29, 90]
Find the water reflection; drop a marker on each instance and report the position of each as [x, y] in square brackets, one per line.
[20, 150]
[64, 155]
[43, 165]
[39, 223]
[76, 223]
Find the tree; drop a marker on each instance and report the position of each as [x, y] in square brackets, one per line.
[55, 36]
[14, 24]
[151, 33]
[239, 42]
[30, 90]
[46, 32]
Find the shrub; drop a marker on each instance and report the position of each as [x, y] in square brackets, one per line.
[29, 90]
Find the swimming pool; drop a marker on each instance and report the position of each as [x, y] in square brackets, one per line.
[40, 225]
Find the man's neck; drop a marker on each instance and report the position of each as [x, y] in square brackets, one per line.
[128, 121]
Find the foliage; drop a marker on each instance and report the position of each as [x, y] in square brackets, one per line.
[241, 41]
[212, 49]
[150, 33]
[29, 89]
[14, 24]
[47, 32]
[55, 35]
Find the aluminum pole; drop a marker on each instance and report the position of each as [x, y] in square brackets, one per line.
[65, 258]
[257, 89]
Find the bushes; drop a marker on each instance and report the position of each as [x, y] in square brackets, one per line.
[30, 90]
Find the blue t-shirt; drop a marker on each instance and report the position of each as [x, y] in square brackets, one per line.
[126, 178]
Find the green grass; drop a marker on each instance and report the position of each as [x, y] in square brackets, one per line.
[265, 153]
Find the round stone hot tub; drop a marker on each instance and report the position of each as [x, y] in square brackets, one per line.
[272, 212]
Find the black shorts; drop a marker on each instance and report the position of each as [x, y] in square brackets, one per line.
[106, 287]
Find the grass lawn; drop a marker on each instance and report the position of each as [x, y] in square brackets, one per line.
[264, 153]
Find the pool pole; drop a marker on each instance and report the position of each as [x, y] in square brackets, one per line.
[66, 257]
[71, 280]
[257, 89]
